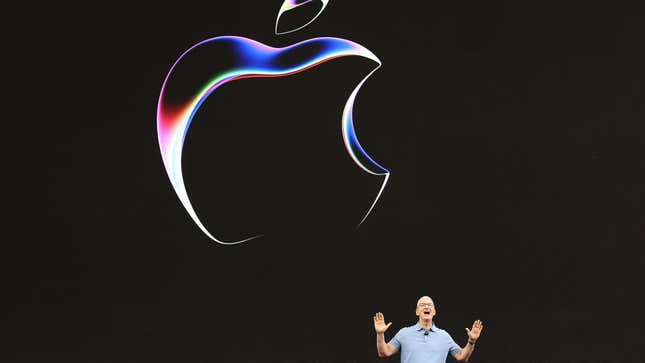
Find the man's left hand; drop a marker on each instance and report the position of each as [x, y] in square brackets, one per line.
[475, 331]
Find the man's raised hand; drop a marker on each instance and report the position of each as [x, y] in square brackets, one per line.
[475, 331]
[379, 323]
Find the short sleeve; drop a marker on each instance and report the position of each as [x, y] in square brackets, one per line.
[396, 340]
[454, 347]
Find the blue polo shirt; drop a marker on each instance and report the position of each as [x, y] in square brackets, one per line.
[418, 345]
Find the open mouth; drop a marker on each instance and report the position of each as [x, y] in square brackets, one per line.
[426, 313]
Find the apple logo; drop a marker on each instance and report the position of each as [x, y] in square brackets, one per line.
[211, 63]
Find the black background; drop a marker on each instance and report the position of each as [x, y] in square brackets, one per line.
[515, 137]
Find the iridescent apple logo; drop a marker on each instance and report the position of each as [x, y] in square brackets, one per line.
[209, 64]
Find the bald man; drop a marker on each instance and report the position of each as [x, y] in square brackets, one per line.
[424, 342]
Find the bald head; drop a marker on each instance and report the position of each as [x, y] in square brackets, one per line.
[425, 299]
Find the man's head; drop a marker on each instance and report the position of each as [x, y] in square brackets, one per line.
[425, 308]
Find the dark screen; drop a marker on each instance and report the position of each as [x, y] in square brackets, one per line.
[514, 135]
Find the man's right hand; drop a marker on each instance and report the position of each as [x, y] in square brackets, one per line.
[379, 323]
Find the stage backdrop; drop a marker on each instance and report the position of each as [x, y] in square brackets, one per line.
[514, 136]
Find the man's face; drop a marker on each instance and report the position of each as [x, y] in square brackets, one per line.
[425, 308]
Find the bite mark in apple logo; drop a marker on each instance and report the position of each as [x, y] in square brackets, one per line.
[213, 62]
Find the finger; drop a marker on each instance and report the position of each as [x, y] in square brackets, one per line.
[388, 325]
[467, 331]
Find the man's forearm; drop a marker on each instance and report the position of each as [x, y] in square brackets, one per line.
[381, 347]
[466, 352]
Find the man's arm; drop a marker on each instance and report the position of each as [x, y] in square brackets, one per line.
[473, 334]
[464, 354]
[382, 348]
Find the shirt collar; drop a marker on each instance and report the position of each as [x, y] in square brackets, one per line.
[418, 327]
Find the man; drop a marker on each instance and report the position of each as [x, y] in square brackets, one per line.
[424, 342]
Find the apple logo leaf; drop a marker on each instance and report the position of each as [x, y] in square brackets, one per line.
[289, 5]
